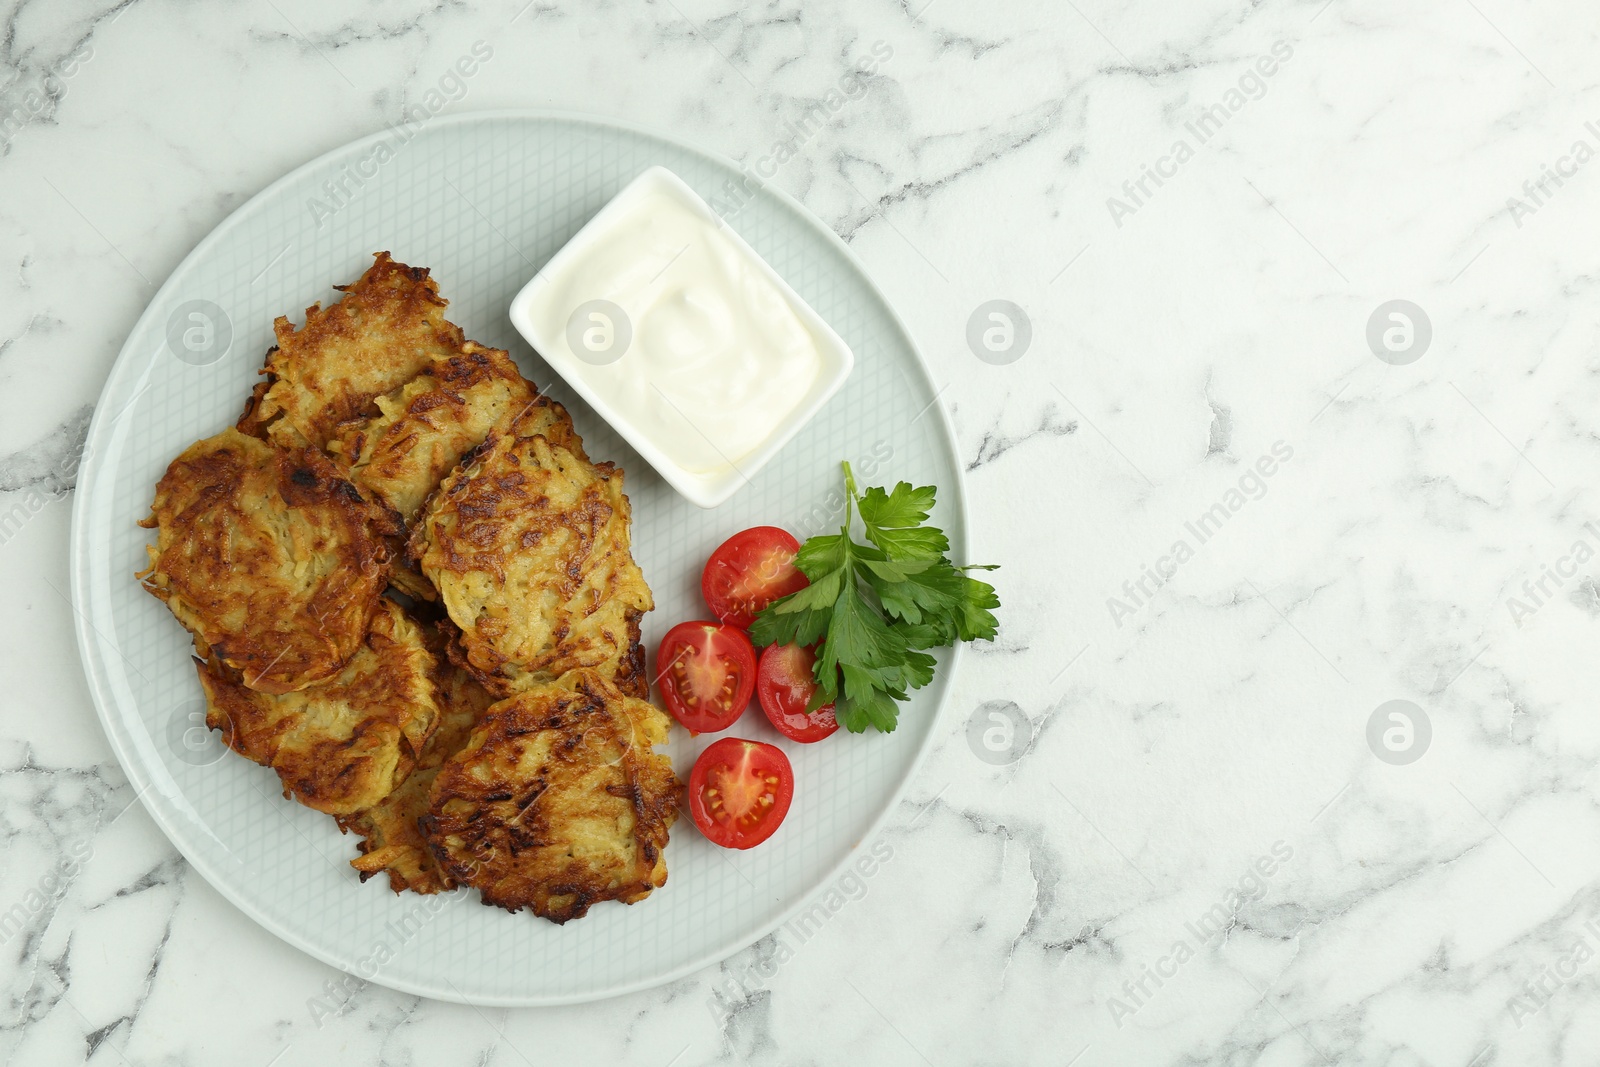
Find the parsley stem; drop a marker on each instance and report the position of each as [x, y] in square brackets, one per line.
[850, 488]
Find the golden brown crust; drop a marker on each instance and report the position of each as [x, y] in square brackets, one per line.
[548, 419]
[423, 428]
[344, 745]
[529, 547]
[266, 555]
[630, 676]
[388, 327]
[250, 422]
[558, 800]
[391, 839]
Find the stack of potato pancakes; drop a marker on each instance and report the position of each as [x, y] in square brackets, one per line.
[486, 723]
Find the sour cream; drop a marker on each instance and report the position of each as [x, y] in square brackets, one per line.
[682, 337]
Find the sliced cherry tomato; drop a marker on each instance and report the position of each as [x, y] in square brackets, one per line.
[785, 684]
[739, 791]
[750, 570]
[708, 673]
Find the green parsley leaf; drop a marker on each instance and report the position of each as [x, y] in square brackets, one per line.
[894, 521]
[877, 608]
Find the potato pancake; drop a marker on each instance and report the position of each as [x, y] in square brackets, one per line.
[386, 329]
[345, 745]
[558, 800]
[528, 545]
[391, 839]
[267, 556]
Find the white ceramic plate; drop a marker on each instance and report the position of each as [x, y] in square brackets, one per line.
[484, 200]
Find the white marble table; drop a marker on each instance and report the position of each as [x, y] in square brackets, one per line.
[1231, 532]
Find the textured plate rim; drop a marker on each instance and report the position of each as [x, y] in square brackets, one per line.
[88, 637]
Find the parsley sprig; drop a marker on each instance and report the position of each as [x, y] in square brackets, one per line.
[878, 607]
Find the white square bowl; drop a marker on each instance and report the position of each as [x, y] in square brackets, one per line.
[707, 489]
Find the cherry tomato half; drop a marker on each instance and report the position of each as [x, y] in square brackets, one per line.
[707, 672]
[785, 684]
[750, 570]
[739, 791]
